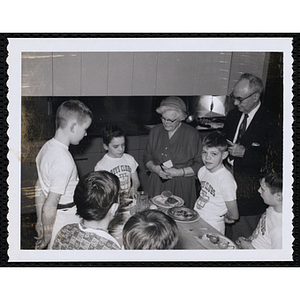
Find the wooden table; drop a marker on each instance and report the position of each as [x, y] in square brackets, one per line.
[190, 233]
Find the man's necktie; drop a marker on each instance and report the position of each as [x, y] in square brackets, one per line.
[242, 128]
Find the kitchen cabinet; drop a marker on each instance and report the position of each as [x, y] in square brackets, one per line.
[94, 76]
[37, 74]
[176, 73]
[120, 74]
[66, 73]
[144, 73]
[137, 73]
[213, 72]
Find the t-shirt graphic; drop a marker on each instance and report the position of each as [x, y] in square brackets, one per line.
[122, 167]
[206, 191]
[261, 227]
[123, 172]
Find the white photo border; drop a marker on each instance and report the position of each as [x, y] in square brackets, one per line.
[260, 44]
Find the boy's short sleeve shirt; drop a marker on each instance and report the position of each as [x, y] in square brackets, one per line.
[57, 171]
[216, 189]
[268, 233]
[76, 237]
[122, 167]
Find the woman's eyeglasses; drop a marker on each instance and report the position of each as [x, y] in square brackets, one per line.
[168, 120]
[240, 99]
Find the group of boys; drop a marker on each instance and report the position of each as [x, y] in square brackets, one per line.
[73, 214]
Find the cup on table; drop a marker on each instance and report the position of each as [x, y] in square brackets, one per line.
[143, 201]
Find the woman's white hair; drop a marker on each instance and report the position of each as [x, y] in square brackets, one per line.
[180, 114]
[175, 104]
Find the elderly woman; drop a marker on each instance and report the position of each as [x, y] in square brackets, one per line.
[173, 153]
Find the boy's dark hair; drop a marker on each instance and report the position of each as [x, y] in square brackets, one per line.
[216, 139]
[72, 109]
[111, 131]
[274, 182]
[150, 230]
[95, 194]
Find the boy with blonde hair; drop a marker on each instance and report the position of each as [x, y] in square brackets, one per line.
[57, 172]
[150, 230]
[217, 201]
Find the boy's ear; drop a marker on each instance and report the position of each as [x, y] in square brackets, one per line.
[224, 154]
[114, 209]
[105, 147]
[278, 196]
[72, 127]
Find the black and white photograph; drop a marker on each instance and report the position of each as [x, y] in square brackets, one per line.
[162, 149]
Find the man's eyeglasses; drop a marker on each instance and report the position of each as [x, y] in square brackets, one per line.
[240, 99]
[168, 120]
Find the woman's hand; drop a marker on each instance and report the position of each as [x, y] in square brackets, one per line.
[173, 172]
[163, 172]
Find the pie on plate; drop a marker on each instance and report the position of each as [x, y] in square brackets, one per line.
[167, 202]
[183, 214]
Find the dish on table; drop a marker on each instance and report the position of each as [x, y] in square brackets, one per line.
[169, 202]
[183, 214]
[216, 241]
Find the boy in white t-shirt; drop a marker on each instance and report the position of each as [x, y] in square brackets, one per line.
[117, 162]
[217, 201]
[57, 172]
[268, 233]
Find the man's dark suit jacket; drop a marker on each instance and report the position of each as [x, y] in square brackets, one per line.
[263, 143]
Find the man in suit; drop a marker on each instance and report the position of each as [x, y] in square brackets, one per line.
[255, 137]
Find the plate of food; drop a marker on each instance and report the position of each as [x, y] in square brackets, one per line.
[167, 202]
[183, 214]
[216, 241]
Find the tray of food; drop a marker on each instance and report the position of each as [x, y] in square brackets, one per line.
[216, 241]
[167, 200]
[183, 214]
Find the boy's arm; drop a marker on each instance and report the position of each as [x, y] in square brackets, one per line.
[232, 211]
[48, 218]
[135, 184]
[39, 202]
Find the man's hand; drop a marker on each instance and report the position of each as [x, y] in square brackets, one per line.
[236, 150]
